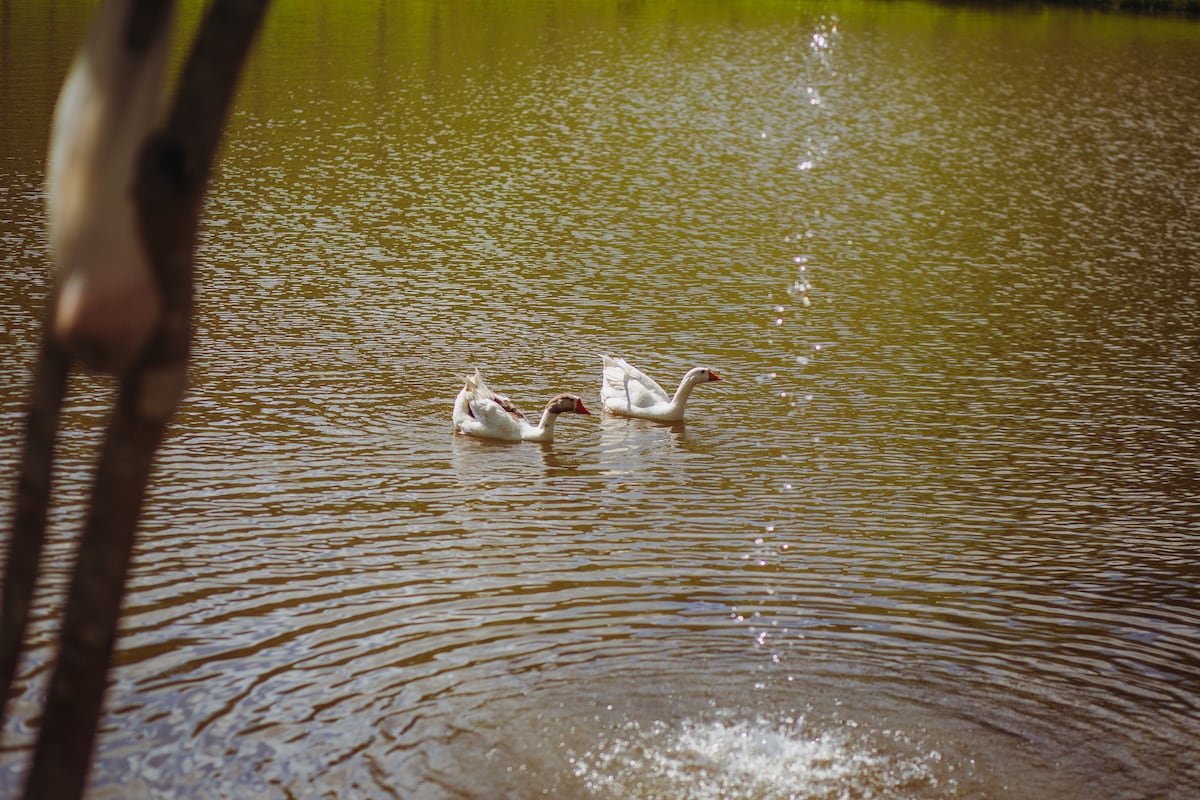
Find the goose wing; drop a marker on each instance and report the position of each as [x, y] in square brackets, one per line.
[482, 394]
[627, 385]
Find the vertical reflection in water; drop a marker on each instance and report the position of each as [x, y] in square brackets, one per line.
[788, 337]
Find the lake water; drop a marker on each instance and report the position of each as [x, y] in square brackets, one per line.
[935, 534]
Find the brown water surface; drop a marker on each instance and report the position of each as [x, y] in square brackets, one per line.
[933, 536]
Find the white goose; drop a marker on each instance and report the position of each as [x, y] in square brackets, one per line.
[629, 392]
[480, 412]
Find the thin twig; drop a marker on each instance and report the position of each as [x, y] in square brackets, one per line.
[33, 499]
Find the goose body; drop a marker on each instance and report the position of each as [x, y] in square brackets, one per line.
[480, 412]
[627, 391]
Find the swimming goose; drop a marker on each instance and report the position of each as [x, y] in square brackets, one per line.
[629, 392]
[480, 412]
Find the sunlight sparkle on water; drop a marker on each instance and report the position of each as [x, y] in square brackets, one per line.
[726, 757]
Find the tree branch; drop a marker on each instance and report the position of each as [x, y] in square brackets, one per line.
[172, 177]
[33, 500]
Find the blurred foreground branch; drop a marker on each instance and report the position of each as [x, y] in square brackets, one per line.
[171, 179]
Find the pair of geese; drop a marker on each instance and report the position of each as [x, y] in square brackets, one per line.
[625, 391]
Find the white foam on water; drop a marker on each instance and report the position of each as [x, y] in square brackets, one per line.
[726, 758]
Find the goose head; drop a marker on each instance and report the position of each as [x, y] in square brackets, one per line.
[567, 404]
[698, 375]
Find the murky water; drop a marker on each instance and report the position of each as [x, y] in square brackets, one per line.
[934, 536]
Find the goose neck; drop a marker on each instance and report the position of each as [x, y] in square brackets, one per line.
[544, 431]
[684, 391]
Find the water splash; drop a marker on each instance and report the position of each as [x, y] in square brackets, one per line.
[727, 757]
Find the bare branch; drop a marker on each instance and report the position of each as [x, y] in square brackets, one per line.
[172, 177]
[33, 498]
